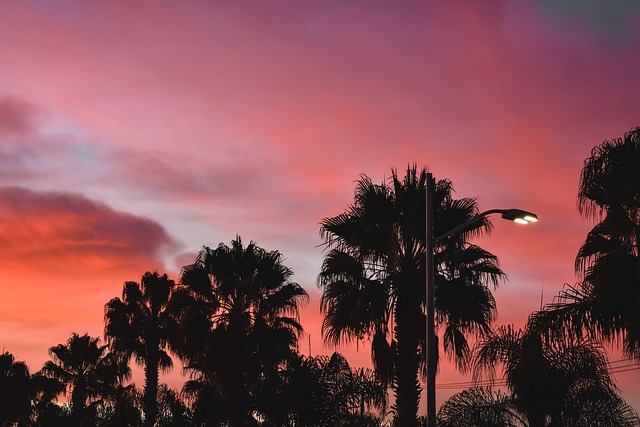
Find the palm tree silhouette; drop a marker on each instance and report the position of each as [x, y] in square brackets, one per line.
[86, 369]
[607, 301]
[479, 407]
[554, 382]
[16, 391]
[351, 392]
[373, 279]
[125, 407]
[325, 391]
[45, 391]
[173, 410]
[141, 325]
[252, 308]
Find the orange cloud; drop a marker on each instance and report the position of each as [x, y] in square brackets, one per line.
[70, 234]
[63, 256]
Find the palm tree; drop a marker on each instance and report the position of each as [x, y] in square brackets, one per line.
[363, 392]
[325, 391]
[554, 382]
[607, 301]
[86, 369]
[208, 405]
[173, 410]
[252, 308]
[479, 407]
[16, 391]
[373, 279]
[44, 411]
[353, 392]
[125, 406]
[141, 325]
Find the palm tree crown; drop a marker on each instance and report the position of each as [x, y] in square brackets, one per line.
[562, 381]
[373, 278]
[141, 325]
[607, 301]
[251, 305]
[87, 369]
[16, 391]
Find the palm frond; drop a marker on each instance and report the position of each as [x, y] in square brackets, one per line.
[479, 407]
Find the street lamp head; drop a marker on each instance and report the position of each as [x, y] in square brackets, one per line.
[519, 216]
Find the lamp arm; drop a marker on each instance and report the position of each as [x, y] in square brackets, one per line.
[467, 224]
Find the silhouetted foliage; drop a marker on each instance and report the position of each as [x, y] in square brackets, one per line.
[373, 279]
[606, 304]
[88, 372]
[53, 415]
[172, 410]
[325, 391]
[479, 407]
[251, 304]
[141, 325]
[16, 391]
[554, 382]
[123, 408]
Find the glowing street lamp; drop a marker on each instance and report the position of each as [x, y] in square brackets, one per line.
[516, 215]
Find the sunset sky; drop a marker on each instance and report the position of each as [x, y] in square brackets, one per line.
[134, 133]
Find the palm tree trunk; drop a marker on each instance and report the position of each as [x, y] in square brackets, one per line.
[150, 398]
[238, 405]
[78, 400]
[536, 419]
[407, 363]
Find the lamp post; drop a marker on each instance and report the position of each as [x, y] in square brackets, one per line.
[516, 215]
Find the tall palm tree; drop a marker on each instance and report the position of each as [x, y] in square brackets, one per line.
[554, 382]
[141, 325]
[16, 391]
[606, 302]
[87, 370]
[373, 279]
[253, 315]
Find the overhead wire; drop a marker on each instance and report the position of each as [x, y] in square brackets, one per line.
[621, 366]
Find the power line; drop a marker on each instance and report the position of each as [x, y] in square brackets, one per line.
[622, 366]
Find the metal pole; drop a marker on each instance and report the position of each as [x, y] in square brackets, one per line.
[430, 284]
[430, 309]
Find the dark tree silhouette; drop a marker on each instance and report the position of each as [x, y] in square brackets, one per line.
[554, 382]
[373, 279]
[45, 412]
[124, 407]
[16, 391]
[252, 308]
[87, 370]
[479, 407]
[141, 325]
[173, 411]
[326, 392]
[606, 304]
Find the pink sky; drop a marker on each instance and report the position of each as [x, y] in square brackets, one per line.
[133, 134]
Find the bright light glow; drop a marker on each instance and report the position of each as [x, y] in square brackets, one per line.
[521, 221]
[530, 218]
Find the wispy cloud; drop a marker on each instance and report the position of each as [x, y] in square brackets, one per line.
[65, 231]
[63, 257]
